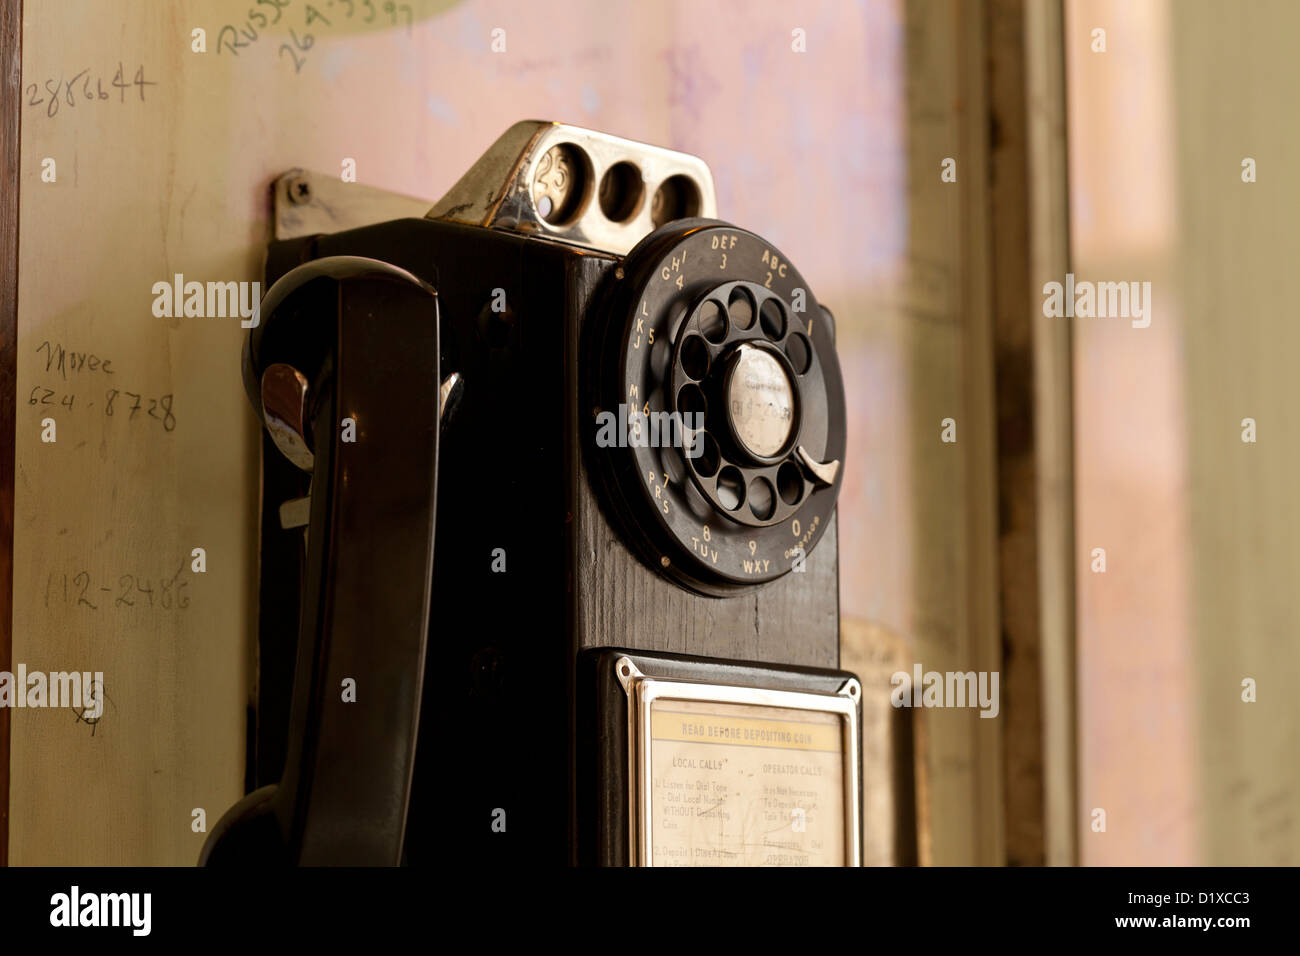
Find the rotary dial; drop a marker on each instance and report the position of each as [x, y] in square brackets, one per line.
[723, 365]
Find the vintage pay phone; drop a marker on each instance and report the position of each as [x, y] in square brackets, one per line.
[548, 545]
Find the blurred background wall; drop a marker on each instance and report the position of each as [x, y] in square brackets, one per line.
[1201, 529]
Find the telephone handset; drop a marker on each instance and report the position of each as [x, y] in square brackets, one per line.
[366, 593]
[650, 394]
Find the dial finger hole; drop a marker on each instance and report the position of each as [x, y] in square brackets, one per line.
[706, 458]
[695, 357]
[789, 483]
[731, 488]
[741, 308]
[691, 401]
[713, 321]
[799, 351]
[762, 500]
[773, 320]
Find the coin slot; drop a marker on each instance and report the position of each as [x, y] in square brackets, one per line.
[731, 488]
[789, 483]
[695, 357]
[762, 500]
[741, 308]
[676, 198]
[713, 321]
[773, 320]
[561, 184]
[799, 351]
[621, 192]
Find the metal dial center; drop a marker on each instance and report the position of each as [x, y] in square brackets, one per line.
[760, 402]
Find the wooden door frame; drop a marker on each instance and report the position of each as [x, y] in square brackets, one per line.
[11, 61]
[1028, 241]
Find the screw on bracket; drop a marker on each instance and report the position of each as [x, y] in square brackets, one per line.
[299, 191]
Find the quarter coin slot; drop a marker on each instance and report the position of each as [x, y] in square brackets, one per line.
[561, 184]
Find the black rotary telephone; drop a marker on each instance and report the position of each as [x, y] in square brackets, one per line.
[632, 416]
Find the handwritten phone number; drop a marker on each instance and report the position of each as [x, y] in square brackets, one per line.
[131, 403]
[59, 92]
[131, 590]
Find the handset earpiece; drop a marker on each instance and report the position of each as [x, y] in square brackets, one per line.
[343, 369]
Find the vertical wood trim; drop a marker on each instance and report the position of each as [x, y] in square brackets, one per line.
[1018, 519]
[1029, 204]
[981, 558]
[1049, 256]
[11, 31]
